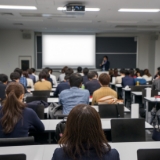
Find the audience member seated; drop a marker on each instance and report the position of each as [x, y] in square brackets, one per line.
[83, 138]
[105, 90]
[22, 79]
[96, 74]
[115, 73]
[62, 75]
[15, 77]
[46, 70]
[43, 84]
[156, 76]
[140, 80]
[31, 76]
[62, 86]
[29, 80]
[15, 118]
[3, 84]
[156, 83]
[93, 84]
[33, 73]
[128, 80]
[131, 73]
[74, 96]
[53, 77]
[147, 76]
[85, 77]
[79, 70]
[135, 72]
[111, 74]
[119, 78]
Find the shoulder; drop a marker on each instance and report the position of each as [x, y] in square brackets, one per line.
[84, 91]
[66, 91]
[59, 154]
[113, 154]
[29, 111]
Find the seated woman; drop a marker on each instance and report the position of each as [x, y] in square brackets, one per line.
[105, 90]
[147, 76]
[82, 140]
[140, 80]
[29, 80]
[15, 118]
[43, 83]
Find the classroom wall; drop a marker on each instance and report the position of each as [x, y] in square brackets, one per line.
[12, 45]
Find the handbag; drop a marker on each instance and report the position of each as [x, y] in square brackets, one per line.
[54, 110]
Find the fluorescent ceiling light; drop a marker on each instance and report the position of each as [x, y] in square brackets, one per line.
[86, 9]
[18, 7]
[138, 10]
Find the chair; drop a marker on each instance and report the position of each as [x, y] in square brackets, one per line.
[128, 130]
[36, 98]
[39, 109]
[137, 88]
[111, 110]
[16, 141]
[13, 157]
[41, 93]
[148, 154]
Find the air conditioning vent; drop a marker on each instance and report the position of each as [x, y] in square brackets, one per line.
[6, 14]
[18, 24]
[135, 26]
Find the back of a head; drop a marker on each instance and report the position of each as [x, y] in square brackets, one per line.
[95, 72]
[43, 75]
[64, 69]
[14, 76]
[75, 80]
[127, 73]
[131, 73]
[122, 71]
[111, 72]
[18, 70]
[30, 71]
[159, 73]
[81, 136]
[158, 69]
[85, 71]
[69, 71]
[33, 70]
[3, 78]
[104, 79]
[79, 69]
[12, 106]
[25, 74]
[91, 75]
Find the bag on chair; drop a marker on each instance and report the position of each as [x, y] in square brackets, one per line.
[109, 100]
[54, 110]
[60, 130]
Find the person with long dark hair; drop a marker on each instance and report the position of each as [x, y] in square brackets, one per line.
[84, 138]
[15, 118]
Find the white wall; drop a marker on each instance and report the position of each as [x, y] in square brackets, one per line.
[12, 45]
[157, 54]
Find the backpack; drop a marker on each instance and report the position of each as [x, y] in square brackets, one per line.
[60, 130]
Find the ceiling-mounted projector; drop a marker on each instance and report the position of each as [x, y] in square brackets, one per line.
[75, 8]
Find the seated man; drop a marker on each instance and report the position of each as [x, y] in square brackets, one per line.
[62, 86]
[15, 77]
[128, 80]
[73, 96]
[3, 84]
[105, 90]
[156, 83]
[93, 83]
[85, 77]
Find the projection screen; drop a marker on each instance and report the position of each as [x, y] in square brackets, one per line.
[68, 50]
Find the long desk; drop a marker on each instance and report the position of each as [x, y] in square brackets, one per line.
[135, 96]
[56, 100]
[127, 151]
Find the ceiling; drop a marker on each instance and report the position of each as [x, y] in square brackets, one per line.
[107, 20]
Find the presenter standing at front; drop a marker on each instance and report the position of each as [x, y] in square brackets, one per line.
[105, 64]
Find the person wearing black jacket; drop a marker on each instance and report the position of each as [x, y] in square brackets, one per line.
[3, 84]
[105, 65]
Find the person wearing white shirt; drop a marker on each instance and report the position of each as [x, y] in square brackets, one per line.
[147, 76]
[119, 78]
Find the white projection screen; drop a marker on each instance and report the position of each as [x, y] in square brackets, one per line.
[68, 50]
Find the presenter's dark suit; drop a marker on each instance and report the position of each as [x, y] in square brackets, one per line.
[106, 65]
[111, 155]
[128, 81]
